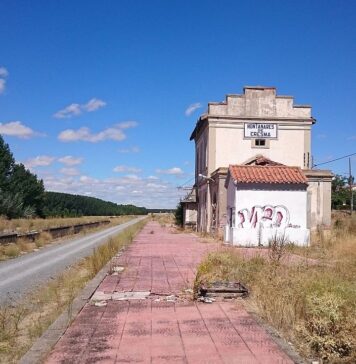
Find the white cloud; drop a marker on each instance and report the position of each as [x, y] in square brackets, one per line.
[132, 177]
[93, 104]
[39, 161]
[2, 85]
[172, 171]
[69, 171]
[69, 160]
[127, 169]
[3, 72]
[77, 109]
[84, 134]
[17, 129]
[127, 124]
[192, 108]
[135, 192]
[129, 150]
[130, 189]
[68, 112]
[155, 186]
[88, 180]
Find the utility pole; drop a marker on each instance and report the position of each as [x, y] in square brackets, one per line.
[351, 190]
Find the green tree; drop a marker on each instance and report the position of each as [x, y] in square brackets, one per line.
[7, 163]
[22, 181]
[340, 194]
[178, 214]
[21, 193]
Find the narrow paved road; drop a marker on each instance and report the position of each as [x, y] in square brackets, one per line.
[19, 276]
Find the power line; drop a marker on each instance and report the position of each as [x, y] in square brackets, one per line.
[333, 160]
[182, 185]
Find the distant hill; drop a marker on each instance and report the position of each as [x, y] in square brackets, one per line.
[65, 204]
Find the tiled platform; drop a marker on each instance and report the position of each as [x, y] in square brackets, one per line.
[150, 331]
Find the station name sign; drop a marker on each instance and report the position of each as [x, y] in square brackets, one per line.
[260, 130]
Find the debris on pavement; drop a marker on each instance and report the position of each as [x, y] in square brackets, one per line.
[171, 298]
[206, 299]
[118, 269]
[223, 290]
[100, 303]
[122, 296]
[101, 296]
[119, 296]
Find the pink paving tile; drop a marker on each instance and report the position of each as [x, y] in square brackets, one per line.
[163, 332]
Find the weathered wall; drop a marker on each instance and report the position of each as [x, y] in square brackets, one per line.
[259, 214]
[290, 148]
[190, 213]
[319, 193]
[260, 102]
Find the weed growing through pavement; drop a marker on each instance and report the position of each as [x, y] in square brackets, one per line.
[22, 323]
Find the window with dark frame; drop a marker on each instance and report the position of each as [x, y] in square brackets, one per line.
[260, 142]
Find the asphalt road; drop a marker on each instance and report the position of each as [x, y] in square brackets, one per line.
[21, 275]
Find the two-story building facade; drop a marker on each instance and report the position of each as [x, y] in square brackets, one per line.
[245, 128]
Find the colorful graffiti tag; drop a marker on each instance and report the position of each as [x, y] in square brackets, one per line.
[264, 216]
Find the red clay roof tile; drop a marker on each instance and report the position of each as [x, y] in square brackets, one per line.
[267, 174]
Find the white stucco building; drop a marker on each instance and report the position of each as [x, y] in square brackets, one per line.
[247, 129]
[265, 201]
[190, 210]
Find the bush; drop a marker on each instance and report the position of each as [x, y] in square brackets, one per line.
[12, 250]
[178, 214]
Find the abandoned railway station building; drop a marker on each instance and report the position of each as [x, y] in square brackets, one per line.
[254, 172]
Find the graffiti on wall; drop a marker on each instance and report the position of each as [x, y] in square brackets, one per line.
[264, 216]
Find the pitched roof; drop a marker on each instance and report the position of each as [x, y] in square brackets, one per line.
[267, 174]
[260, 160]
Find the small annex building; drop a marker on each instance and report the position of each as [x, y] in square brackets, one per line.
[264, 201]
[189, 204]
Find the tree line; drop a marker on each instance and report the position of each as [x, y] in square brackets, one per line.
[65, 204]
[22, 194]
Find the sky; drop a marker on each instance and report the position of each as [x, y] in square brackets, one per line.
[100, 97]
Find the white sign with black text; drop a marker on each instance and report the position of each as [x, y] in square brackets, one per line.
[260, 130]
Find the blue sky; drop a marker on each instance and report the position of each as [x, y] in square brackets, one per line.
[94, 94]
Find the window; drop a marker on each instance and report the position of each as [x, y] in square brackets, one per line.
[260, 143]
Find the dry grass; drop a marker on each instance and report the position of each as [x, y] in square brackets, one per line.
[36, 224]
[23, 322]
[164, 219]
[24, 246]
[313, 306]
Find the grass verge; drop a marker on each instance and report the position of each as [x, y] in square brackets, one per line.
[23, 322]
[312, 306]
